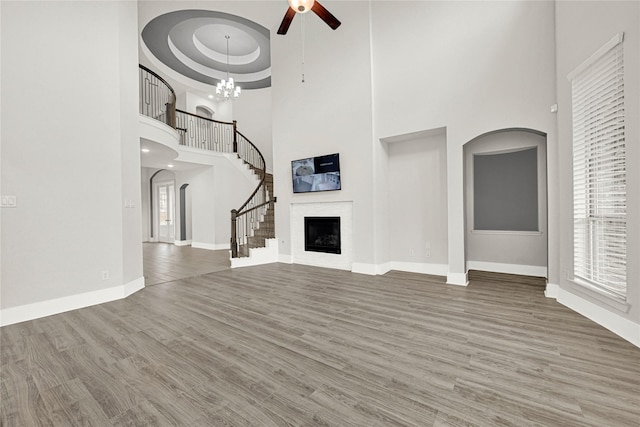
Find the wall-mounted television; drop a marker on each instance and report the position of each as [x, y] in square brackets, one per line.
[320, 173]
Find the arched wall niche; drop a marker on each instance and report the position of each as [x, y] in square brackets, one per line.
[505, 196]
[204, 111]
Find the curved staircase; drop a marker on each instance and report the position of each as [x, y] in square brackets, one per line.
[253, 224]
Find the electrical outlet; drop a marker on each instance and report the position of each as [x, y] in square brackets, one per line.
[427, 249]
[105, 275]
[411, 252]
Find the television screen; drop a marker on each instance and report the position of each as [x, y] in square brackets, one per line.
[320, 173]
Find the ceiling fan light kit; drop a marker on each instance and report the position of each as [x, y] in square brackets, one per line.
[303, 6]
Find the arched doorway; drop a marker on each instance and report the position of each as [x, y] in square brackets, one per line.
[162, 207]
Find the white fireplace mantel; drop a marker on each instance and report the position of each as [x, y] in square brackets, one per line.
[344, 210]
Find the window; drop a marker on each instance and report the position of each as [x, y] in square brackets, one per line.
[599, 171]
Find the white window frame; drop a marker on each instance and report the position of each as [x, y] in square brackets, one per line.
[599, 172]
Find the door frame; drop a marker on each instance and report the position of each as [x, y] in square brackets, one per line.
[156, 209]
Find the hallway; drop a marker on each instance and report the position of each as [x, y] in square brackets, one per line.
[164, 262]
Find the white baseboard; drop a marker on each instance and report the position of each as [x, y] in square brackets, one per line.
[259, 256]
[420, 267]
[285, 259]
[363, 268]
[458, 279]
[133, 286]
[210, 246]
[497, 267]
[380, 269]
[182, 242]
[332, 267]
[384, 268]
[22, 313]
[617, 324]
[551, 291]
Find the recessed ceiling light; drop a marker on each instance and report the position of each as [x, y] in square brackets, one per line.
[145, 150]
[170, 166]
[210, 96]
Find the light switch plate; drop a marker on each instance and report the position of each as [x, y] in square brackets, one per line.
[9, 202]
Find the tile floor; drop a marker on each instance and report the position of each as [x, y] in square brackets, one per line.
[164, 262]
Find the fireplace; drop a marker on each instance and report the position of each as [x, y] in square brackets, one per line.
[322, 234]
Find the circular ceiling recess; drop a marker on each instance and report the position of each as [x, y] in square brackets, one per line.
[193, 43]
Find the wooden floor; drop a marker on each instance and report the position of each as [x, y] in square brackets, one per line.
[164, 262]
[283, 345]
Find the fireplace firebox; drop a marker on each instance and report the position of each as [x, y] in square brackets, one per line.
[322, 234]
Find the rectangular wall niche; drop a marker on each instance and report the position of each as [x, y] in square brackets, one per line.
[322, 234]
[505, 191]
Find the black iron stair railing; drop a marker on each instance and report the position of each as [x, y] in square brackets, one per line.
[253, 222]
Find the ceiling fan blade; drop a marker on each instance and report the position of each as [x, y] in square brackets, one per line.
[286, 21]
[325, 15]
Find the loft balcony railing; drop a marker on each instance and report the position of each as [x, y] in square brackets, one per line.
[249, 224]
[206, 134]
[157, 98]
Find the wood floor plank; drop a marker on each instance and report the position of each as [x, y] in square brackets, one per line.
[291, 345]
[72, 404]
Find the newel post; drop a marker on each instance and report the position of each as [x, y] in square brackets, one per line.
[235, 136]
[171, 113]
[234, 235]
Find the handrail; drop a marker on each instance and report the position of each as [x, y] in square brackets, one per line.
[259, 206]
[203, 118]
[263, 173]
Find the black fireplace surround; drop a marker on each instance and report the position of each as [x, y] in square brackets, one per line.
[322, 234]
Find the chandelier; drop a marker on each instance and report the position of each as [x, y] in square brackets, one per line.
[226, 88]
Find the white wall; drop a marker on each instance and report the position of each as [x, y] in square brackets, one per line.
[129, 134]
[577, 39]
[253, 113]
[311, 118]
[212, 192]
[472, 67]
[507, 252]
[203, 202]
[1, 175]
[417, 199]
[223, 111]
[144, 203]
[220, 183]
[73, 160]
[191, 101]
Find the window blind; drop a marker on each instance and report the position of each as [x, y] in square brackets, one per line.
[599, 171]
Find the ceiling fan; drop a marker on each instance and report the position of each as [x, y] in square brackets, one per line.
[303, 6]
